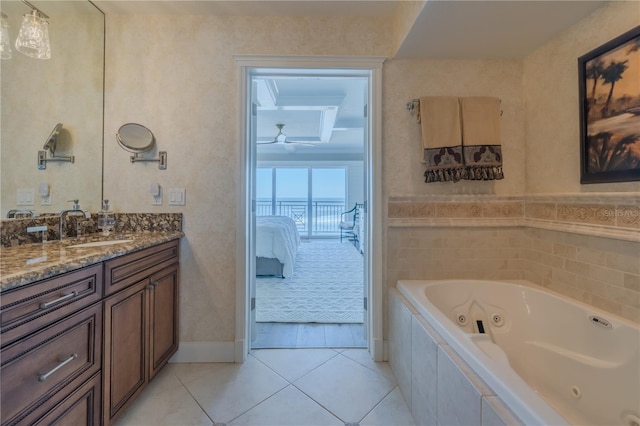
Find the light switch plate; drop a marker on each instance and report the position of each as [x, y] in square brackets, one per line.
[177, 197]
[26, 197]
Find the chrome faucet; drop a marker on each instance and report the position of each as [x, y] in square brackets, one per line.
[75, 211]
[18, 212]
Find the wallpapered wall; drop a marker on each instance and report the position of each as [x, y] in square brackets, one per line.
[550, 82]
[540, 126]
[177, 76]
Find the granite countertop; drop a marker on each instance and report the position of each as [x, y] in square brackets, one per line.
[26, 264]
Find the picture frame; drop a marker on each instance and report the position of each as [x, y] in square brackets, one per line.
[609, 91]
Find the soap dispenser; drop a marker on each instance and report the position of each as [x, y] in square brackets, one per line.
[106, 219]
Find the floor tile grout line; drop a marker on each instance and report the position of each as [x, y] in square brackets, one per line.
[366, 366]
[319, 404]
[378, 403]
[213, 422]
[260, 402]
[287, 380]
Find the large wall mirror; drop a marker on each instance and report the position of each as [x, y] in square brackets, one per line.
[39, 94]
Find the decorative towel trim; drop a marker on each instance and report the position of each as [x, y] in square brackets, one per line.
[483, 162]
[444, 164]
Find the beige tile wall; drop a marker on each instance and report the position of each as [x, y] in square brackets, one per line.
[602, 272]
[599, 271]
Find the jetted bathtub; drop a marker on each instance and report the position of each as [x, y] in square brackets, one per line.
[551, 359]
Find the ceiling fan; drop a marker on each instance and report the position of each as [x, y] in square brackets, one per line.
[281, 138]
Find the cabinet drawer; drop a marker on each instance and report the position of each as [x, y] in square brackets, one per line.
[58, 358]
[126, 270]
[28, 308]
[81, 407]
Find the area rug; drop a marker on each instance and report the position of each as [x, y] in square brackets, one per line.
[326, 287]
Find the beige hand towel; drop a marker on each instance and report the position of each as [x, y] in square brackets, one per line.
[481, 138]
[441, 138]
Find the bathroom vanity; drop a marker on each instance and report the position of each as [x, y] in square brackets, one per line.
[84, 329]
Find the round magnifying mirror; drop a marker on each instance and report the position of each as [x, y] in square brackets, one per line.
[135, 138]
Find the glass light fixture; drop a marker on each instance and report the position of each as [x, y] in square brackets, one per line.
[5, 43]
[33, 38]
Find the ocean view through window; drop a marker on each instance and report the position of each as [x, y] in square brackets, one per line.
[313, 197]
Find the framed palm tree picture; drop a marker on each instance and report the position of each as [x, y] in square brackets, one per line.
[609, 78]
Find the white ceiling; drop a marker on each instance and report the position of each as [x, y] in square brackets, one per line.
[252, 7]
[480, 29]
[328, 111]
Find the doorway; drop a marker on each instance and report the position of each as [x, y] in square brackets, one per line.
[316, 121]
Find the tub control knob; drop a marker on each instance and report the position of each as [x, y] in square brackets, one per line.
[497, 320]
[461, 319]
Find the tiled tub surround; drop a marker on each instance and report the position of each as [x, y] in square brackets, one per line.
[438, 386]
[14, 232]
[487, 237]
[28, 263]
[583, 372]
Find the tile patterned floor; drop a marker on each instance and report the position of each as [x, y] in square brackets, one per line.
[275, 387]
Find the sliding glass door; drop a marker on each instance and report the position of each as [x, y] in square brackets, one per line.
[314, 197]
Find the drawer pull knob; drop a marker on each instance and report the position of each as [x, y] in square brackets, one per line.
[154, 284]
[44, 376]
[45, 305]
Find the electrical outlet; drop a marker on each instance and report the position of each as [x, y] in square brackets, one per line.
[46, 201]
[156, 200]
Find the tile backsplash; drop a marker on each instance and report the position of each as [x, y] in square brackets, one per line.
[14, 232]
[584, 247]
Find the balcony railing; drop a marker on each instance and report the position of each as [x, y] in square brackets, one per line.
[323, 220]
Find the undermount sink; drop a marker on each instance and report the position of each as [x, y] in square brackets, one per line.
[100, 243]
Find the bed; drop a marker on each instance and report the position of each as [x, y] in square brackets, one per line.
[277, 241]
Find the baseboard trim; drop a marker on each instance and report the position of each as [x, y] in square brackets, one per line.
[204, 352]
[378, 350]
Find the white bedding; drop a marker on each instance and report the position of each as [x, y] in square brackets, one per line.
[277, 237]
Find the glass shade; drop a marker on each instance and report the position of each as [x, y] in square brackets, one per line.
[5, 44]
[33, 38]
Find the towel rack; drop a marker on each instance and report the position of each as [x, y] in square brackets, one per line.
[413, 106]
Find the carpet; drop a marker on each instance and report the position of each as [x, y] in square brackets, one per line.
[326, 287]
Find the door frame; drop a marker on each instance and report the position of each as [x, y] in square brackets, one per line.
[373, 168]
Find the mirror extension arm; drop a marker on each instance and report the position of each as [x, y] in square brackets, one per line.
[162, 160]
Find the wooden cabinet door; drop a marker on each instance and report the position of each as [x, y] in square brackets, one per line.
[126, 349]
[163, 318]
